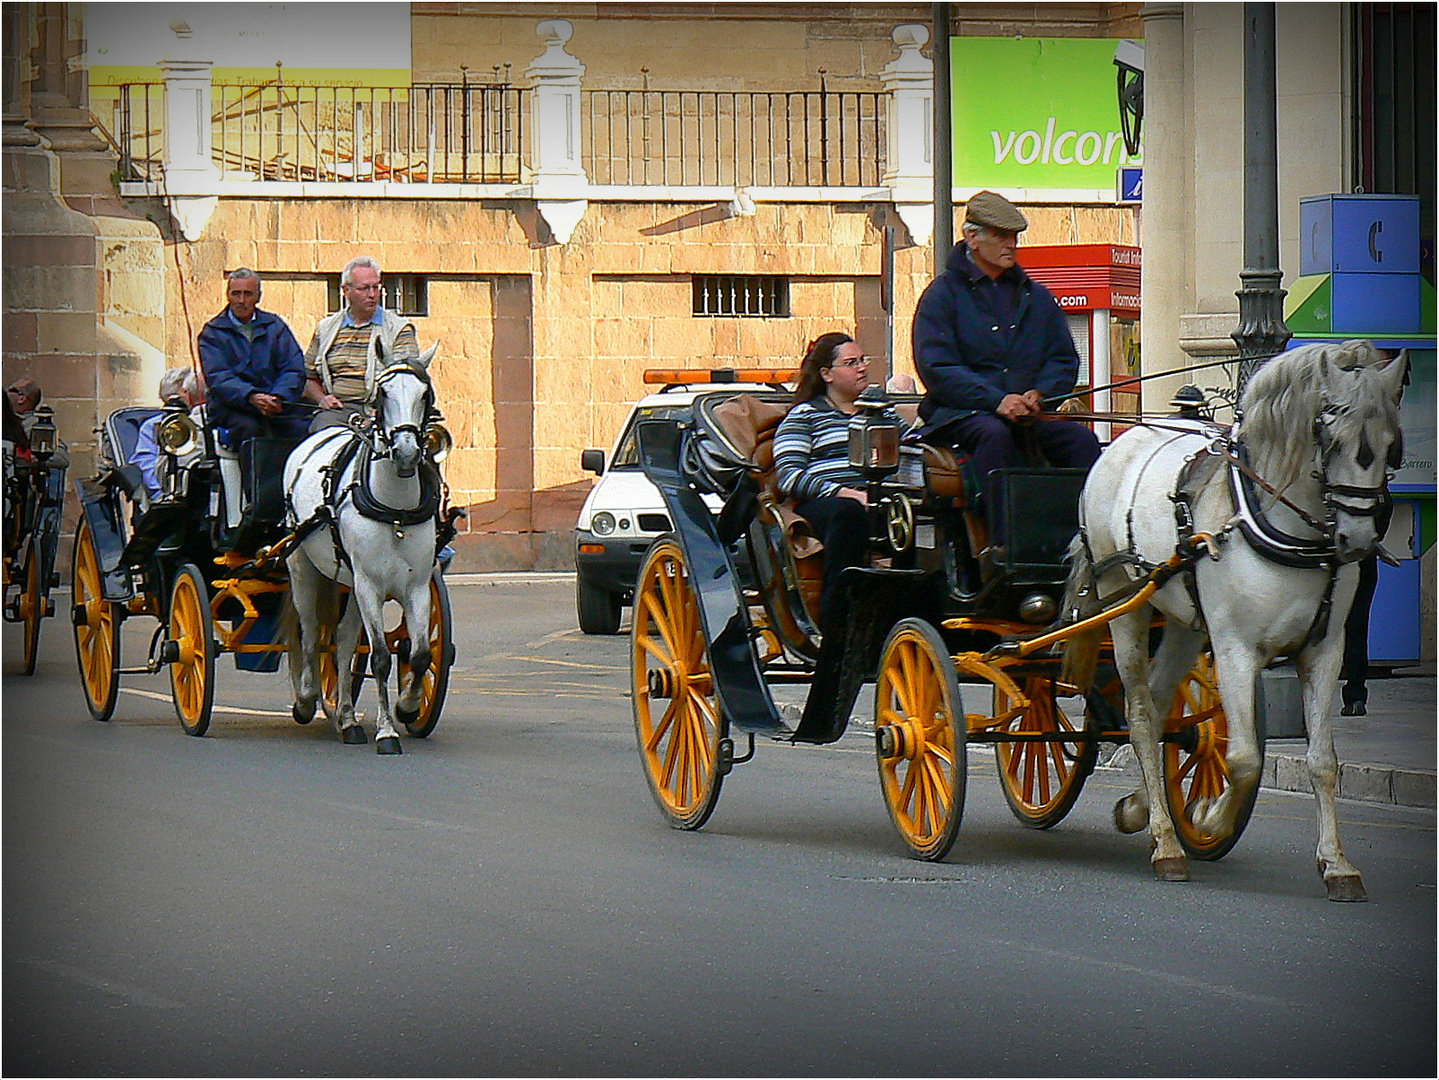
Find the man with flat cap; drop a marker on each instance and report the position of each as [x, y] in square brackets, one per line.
[992, 345]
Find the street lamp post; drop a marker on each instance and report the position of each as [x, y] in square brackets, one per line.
[1261, 330]
[943, 147]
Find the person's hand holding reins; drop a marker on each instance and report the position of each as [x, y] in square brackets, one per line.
[1018, 408]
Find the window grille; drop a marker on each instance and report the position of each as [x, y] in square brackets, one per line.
[404, 294]
[745, 295]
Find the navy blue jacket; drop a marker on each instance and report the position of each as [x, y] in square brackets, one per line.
[272, 363]
[970, 355]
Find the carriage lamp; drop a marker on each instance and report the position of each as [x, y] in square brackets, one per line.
[438, 442]
[1190, 403]
[178, 435]
[873, 437]
[42, 434]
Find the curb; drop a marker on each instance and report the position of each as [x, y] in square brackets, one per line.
[1365, 783]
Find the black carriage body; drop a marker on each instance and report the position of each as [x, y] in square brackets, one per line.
[935, 577]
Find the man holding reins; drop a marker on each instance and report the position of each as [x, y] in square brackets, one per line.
[352, 346]
[992, 345]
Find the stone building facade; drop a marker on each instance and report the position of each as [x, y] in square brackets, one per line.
[549, 297]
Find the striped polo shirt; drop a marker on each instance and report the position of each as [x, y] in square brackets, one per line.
[811, 451]
[348, 355]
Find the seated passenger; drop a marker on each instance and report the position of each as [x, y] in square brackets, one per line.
[811, 455]
[178, 386]
[253, 367]
[353, 345]
[992, 345]
[24, 396]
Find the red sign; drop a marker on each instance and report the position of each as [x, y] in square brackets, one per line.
[1087, 277]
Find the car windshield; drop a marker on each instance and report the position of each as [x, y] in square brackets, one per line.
[627, 455]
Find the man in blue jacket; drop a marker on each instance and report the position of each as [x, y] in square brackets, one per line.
[254, 368]
[992, 346]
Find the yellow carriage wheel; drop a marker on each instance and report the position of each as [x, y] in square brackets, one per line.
[1041, 779]
[678, 723]
[1197, 767]
[97, 629]
[920, 738]
[33, 605]
[192, 673]
[442, 654]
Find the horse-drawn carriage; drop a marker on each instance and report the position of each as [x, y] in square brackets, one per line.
[725, 613]
[213, 558]
[34, 498]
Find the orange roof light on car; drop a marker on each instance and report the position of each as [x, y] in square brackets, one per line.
[682, 377]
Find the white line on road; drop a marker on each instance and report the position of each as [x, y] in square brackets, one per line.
[117, 989]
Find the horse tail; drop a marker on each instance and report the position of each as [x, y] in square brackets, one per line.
[1081, 600]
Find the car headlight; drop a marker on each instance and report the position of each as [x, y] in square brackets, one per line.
[603, 523]
[438, 442]
[178, 435]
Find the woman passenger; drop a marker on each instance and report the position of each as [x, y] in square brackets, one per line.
[811, 455]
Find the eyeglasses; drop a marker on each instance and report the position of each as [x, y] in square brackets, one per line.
[858, 361]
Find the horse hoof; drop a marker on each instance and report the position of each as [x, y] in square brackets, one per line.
[405, 716]
[301, 714]
[354, 735]
[1347, 889]
[1171, 869]
[1125, 819]
[389, 745]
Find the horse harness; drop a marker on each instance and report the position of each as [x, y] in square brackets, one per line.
[361, 450]
[1271, 542]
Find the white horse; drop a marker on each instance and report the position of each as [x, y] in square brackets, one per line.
[373, 496]
[1318, 428]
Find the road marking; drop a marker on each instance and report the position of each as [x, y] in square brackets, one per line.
[390, 815]
[116, 989]
[215, 709]
[1149, 974]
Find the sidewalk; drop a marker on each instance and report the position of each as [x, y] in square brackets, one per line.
[1387, 756]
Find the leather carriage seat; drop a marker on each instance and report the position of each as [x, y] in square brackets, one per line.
[750, 423]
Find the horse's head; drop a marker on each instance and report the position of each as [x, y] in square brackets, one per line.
[1330, 412]
[404, 400]
[1360, 444]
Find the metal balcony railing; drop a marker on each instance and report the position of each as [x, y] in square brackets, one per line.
[478, 133]
[734, 139]
[429, 132]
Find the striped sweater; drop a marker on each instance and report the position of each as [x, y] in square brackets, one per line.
[811, 451]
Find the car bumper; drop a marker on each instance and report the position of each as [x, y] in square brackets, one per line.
[615, 566]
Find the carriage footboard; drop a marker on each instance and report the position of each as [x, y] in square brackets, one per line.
[869, 604]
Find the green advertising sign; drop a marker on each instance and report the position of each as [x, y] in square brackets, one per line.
[1036, 113]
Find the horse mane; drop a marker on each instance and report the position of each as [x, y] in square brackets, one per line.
[1284, 396]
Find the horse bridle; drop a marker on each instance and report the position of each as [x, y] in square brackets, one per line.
[1357, 501]
[385, 435]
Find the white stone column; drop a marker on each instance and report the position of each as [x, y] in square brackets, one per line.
[190, 173]
[1167, 271]
[908, 80]
[560, 186]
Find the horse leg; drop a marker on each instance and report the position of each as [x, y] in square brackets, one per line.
[417, 618]
[1236, 669]
[371, 603]
[1318, 673]
[347, 640]
[1178, 650]
[1130, 634]
[303, 636]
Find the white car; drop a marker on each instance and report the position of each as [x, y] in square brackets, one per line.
[624, 512]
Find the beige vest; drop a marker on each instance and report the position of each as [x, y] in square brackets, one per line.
[376, 358]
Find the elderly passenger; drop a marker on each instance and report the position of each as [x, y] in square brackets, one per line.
[352, 346]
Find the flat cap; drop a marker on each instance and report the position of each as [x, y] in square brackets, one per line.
[993, 209]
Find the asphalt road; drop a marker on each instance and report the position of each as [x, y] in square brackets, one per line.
[505, 900]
